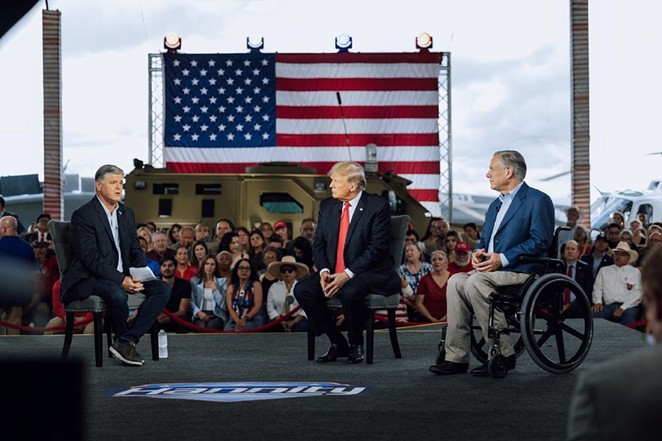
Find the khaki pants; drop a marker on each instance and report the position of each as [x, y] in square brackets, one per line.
[467, 295]
[12, 315]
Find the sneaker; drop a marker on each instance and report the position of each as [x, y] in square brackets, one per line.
[126, 352]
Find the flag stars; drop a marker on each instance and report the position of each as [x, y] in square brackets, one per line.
[265, 136]
[203, 72]
[178, 118]
[249, 100]
[248, 81]
[186, 90]
[238, 72]
[211, 63]
[221, 91]
[220, 72]
[195, 100]
[228, 63]
[212, 118]
[230, 100]
[257, 127]
[221, 128]
[185, 72]
[256, 72]
[247, 63]
[195, 81]
[186, 109]
[265, 118]
[186, 127]
[195, 118]
[248, 118]
[204, 109]
[231, 118]
[240, 109]
[212, 81]
[230, 81]
[203, 91]
[212, 100]
[178, 100]
[212, 137]
[239, 90]
[194, 63]
[204, 127]
[230, 137]
[265, 62]
[194, 137]
[221, 109]
[265, 81]
[265, 99]
[240, 127]
[177, 137]
[248, 136]
[175, 63]
[177, 81]
[257, 90]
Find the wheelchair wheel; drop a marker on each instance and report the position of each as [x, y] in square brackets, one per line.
[479, 348]
[557, 339]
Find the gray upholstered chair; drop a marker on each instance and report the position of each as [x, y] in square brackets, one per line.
[60, 232]
[374, 302]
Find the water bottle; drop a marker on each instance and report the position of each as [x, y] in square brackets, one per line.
[163, 344]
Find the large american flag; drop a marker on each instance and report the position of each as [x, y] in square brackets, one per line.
[225, 112]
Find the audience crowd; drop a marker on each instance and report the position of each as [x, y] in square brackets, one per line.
[240, 277]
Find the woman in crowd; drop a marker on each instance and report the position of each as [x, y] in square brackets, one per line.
[243, 234]
[198, 251]
[431, 292]
[146, 234]
[413, 271]
[224, 259]
[267, 230]
[173, 234]
[640, 237]
[280, 300]
[269, 255]
[618, 218]
[208, 291]
[230, 242]
[582, 239]
[255, 246]
[303, 252]
[184, 269]
[627, 237]
[452, 238]
[243, 298]
[472, 235]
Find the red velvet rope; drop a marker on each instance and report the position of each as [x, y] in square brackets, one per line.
[42, 328]
[218, 331]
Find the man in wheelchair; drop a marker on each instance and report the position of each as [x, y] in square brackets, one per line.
[519, 222]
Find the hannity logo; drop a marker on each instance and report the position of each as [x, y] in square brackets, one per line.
[237, 392]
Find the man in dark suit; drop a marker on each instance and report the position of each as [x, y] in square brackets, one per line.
[620, 398]
[599, 257]
[41, 234]
[520, 221]
[20, 229]
[363, 265]
[577, 270]
[105, 246]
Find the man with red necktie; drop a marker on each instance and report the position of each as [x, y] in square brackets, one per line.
[351, 250]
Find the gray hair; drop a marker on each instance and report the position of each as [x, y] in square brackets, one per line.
[106, 169]
[441, 253]
[513, 160]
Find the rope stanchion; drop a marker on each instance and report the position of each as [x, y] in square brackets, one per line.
[401, 324]
[265, 327]
[41, 328]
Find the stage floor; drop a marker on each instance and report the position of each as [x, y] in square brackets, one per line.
[391, 399]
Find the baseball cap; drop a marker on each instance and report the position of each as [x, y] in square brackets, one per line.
[462, 247]
[280, 224]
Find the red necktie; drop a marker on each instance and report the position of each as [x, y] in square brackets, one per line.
[566, 294]
[342, 235]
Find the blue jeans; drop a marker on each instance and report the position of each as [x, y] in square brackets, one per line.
[629, 316]
[157, 293]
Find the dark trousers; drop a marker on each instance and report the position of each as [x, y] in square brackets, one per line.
[156, 293]
[310, 296]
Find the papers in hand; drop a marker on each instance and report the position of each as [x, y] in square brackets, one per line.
[142, 274]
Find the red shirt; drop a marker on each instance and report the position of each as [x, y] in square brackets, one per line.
[435, 296]
[453, 268]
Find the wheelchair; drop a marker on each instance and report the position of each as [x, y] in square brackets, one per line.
[556, 336]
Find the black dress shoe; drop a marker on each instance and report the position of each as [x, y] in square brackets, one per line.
[355, 354]
[483, 371]
[449, 368]
[333, 353]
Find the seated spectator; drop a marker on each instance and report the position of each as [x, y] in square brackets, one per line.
[307, 229]
[472, 235]
[230, 242]
[280, 299]
[267, 230]
[435, 234]
[283, 230]
[146, 234]
[198, 251]
[202, 232]
[642, 217]
[654, 241]
[583, 240]
[599, 258]
[303, 252]
[414, 267]
[48, 270]
[635, 224]
[208, 291]
[160, 247]
[452, 238]
[186, 238]
[577, 270]
[151, 263]
[40, 233]
[640, 237]
[174, 234]
[152, 227]
[462, 263]
[244, 298]
[626, 236]
[275, 241]
[179, 302]
[617, 288]
[619, 219]
[411, 236]
[431, 291]
[60, 317]
[224, 259]
[184, 269]
[243, 234]
[255, 246]
[270, 255]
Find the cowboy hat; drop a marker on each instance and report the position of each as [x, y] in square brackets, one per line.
[624, 247]
[274, 267]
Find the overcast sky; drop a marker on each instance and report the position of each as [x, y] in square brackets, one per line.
[510, 76]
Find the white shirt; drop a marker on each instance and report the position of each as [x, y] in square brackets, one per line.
[506, 201]
[115, 229]
[618, 285]
[276, 299]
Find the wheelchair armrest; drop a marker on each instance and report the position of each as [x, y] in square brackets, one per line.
[549, 262]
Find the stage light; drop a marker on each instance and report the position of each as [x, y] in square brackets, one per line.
[172, 42]
[424, 42]
[254, 47]
[343, 43]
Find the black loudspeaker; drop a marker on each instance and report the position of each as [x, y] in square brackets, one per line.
[43, 399]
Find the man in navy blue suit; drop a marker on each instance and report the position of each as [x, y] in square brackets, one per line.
[520, 221]
[105, 245]
[364, 265]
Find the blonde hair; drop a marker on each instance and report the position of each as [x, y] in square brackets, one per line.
[352, 171]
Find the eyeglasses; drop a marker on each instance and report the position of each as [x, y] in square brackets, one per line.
[287, 269]
[244, 268]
